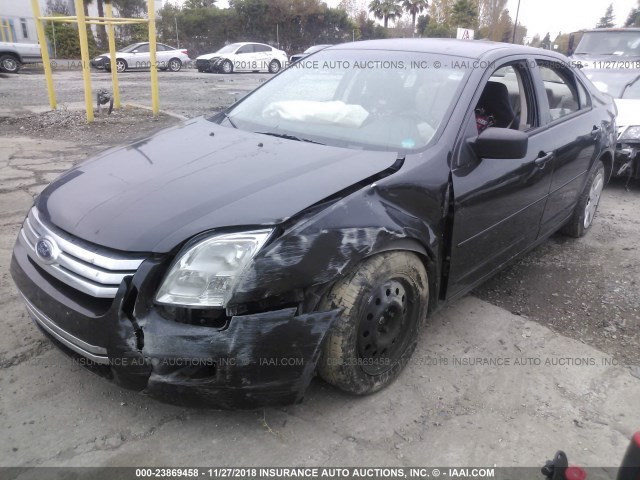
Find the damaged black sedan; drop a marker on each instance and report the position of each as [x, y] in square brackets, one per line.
[314, 225]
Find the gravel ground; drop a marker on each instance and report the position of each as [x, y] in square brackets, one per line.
[568, 299]
[187, 92]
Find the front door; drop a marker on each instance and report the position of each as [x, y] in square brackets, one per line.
[499, 203]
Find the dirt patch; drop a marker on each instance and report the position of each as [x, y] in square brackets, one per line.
[123, 125]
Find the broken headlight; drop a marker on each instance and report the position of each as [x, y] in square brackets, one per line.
[631, 133]
[204, 274]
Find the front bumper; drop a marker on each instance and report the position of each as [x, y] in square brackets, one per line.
[255, 360]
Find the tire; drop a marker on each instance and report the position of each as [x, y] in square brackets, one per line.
[585, 211]
[175, 64]
[274, 66]
[121, 65]
[389, 292]
[227, 67]
[9, 64]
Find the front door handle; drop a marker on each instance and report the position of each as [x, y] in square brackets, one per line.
[542, 159]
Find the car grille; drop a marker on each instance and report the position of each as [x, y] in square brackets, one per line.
[90, 269]
[202, 63]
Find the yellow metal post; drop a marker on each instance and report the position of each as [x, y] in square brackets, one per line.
[3, 38]
[84, 54]
[155, 103]
[44, 51]
[112, 55]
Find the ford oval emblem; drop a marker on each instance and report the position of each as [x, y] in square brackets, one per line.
[46, 250]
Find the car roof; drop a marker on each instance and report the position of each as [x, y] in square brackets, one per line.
[447, 46]
[621, 29]
[251, 43]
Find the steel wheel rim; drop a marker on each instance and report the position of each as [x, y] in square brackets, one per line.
[385, 327]
[594, 198]
[173, 65]
[9, 64]
[120, 66]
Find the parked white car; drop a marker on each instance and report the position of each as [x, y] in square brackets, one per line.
[137, 56]
[243, 57]
[14, 55]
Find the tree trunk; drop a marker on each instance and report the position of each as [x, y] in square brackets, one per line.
[413, 18]
[102, 29]
[386, 21]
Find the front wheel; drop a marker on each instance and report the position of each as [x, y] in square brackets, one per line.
[585, 211]
[227, 67]
[384, 303]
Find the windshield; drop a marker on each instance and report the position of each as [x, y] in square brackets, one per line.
[229, 48]
[130, 48]
[315, 48]
[622, 43]
[613, 82]
[359, 99]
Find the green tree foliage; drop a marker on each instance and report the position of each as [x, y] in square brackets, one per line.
[290, 25]
[464, 14]
[633, 20]
[607, 21]
[414, 8]
[65, 38]
[385, 10]
[368, 29]
[546, 42]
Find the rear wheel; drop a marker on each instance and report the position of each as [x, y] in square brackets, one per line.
[175, 64]
[274, 66]
[384, 303]
[585, 211]
[9, 64]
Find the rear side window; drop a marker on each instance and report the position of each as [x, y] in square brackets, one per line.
[562, 90]
[261, 48]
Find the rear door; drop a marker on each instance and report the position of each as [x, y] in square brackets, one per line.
[566, 109]
[499, 203]
[263, 55]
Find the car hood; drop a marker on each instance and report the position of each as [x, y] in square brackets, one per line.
[611, 81]
[154, 194]
[209, 56]
[628, 112]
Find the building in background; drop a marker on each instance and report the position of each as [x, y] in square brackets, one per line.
[17, 22]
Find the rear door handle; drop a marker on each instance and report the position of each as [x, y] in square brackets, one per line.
[542, 159]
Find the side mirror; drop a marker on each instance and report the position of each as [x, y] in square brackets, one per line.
[134, 51]
[501, 143]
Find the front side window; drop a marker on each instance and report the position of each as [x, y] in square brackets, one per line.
[365, 99]
[245, 49]
[505, 102]
[144, 48]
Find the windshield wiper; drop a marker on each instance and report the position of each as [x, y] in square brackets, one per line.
[226, 115]
[289, 137]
